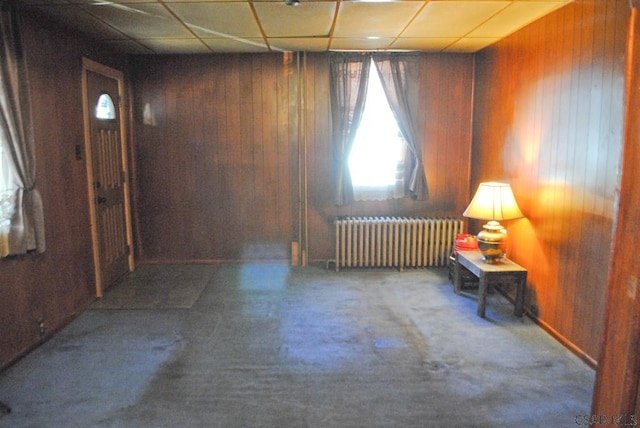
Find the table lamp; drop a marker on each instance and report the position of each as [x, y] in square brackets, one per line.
[494, 202]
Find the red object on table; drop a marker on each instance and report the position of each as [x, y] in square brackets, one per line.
[465, 242]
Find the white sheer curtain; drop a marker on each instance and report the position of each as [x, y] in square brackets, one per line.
[22, 213]
[349, 73]
[376, 160]
[400, 76]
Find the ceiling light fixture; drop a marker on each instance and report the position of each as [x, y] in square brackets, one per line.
[292, 2]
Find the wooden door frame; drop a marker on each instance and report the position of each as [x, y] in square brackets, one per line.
[617, 386]
[89, 65]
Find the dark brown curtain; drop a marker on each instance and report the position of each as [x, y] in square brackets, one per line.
[349, 75]
[400, 76]
[26, 230]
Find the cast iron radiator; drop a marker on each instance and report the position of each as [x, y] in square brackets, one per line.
[397, 242]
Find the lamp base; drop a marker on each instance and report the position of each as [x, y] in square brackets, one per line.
[492, 242]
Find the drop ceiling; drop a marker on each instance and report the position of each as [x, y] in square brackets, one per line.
[181, 26]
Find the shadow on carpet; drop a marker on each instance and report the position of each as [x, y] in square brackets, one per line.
[157, 287]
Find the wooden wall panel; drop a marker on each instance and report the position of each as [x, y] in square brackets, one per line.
[445, 123]
[55, 286]
[217, 166]
[548, 119]
[218, 172]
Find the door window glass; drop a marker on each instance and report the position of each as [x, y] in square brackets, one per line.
[105, 109]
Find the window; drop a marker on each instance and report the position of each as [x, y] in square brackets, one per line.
[21, 211]
[6, 199]
[376, 160]
[105, 109]
[350, 83]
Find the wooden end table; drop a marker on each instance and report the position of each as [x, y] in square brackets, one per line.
[488, 274]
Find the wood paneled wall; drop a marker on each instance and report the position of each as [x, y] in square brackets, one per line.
[54, 286]
[548, 119]
[218, 159]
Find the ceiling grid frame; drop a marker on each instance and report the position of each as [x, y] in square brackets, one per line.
[253, 26]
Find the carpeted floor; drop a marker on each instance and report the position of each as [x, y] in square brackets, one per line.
[154, 287]
[273, 346]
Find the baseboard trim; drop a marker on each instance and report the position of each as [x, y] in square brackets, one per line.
[572, 347]
[587, 359]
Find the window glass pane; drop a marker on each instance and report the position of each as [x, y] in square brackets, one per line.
[6, 191]
[105, 109]
[379, 146]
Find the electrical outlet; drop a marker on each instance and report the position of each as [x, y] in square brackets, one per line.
[42, 328]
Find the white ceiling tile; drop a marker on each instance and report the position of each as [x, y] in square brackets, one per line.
[514, 17]
[197, 1]
[469, 44]
[106, 1]
[299, 44]
[452, 18]
[218, 19]
[34, 2]
[423, 43]
[170, 46]
[361, 20]
[237, 25]
[253, 45]
[309, 19]
[361, 44]
[81, 20]
[143, 20]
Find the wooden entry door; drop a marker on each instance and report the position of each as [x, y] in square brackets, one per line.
[107, 174]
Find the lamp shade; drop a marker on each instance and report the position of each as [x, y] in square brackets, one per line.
[493, 201]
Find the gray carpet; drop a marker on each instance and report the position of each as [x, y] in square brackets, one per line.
[158, 287]
[273, 346]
